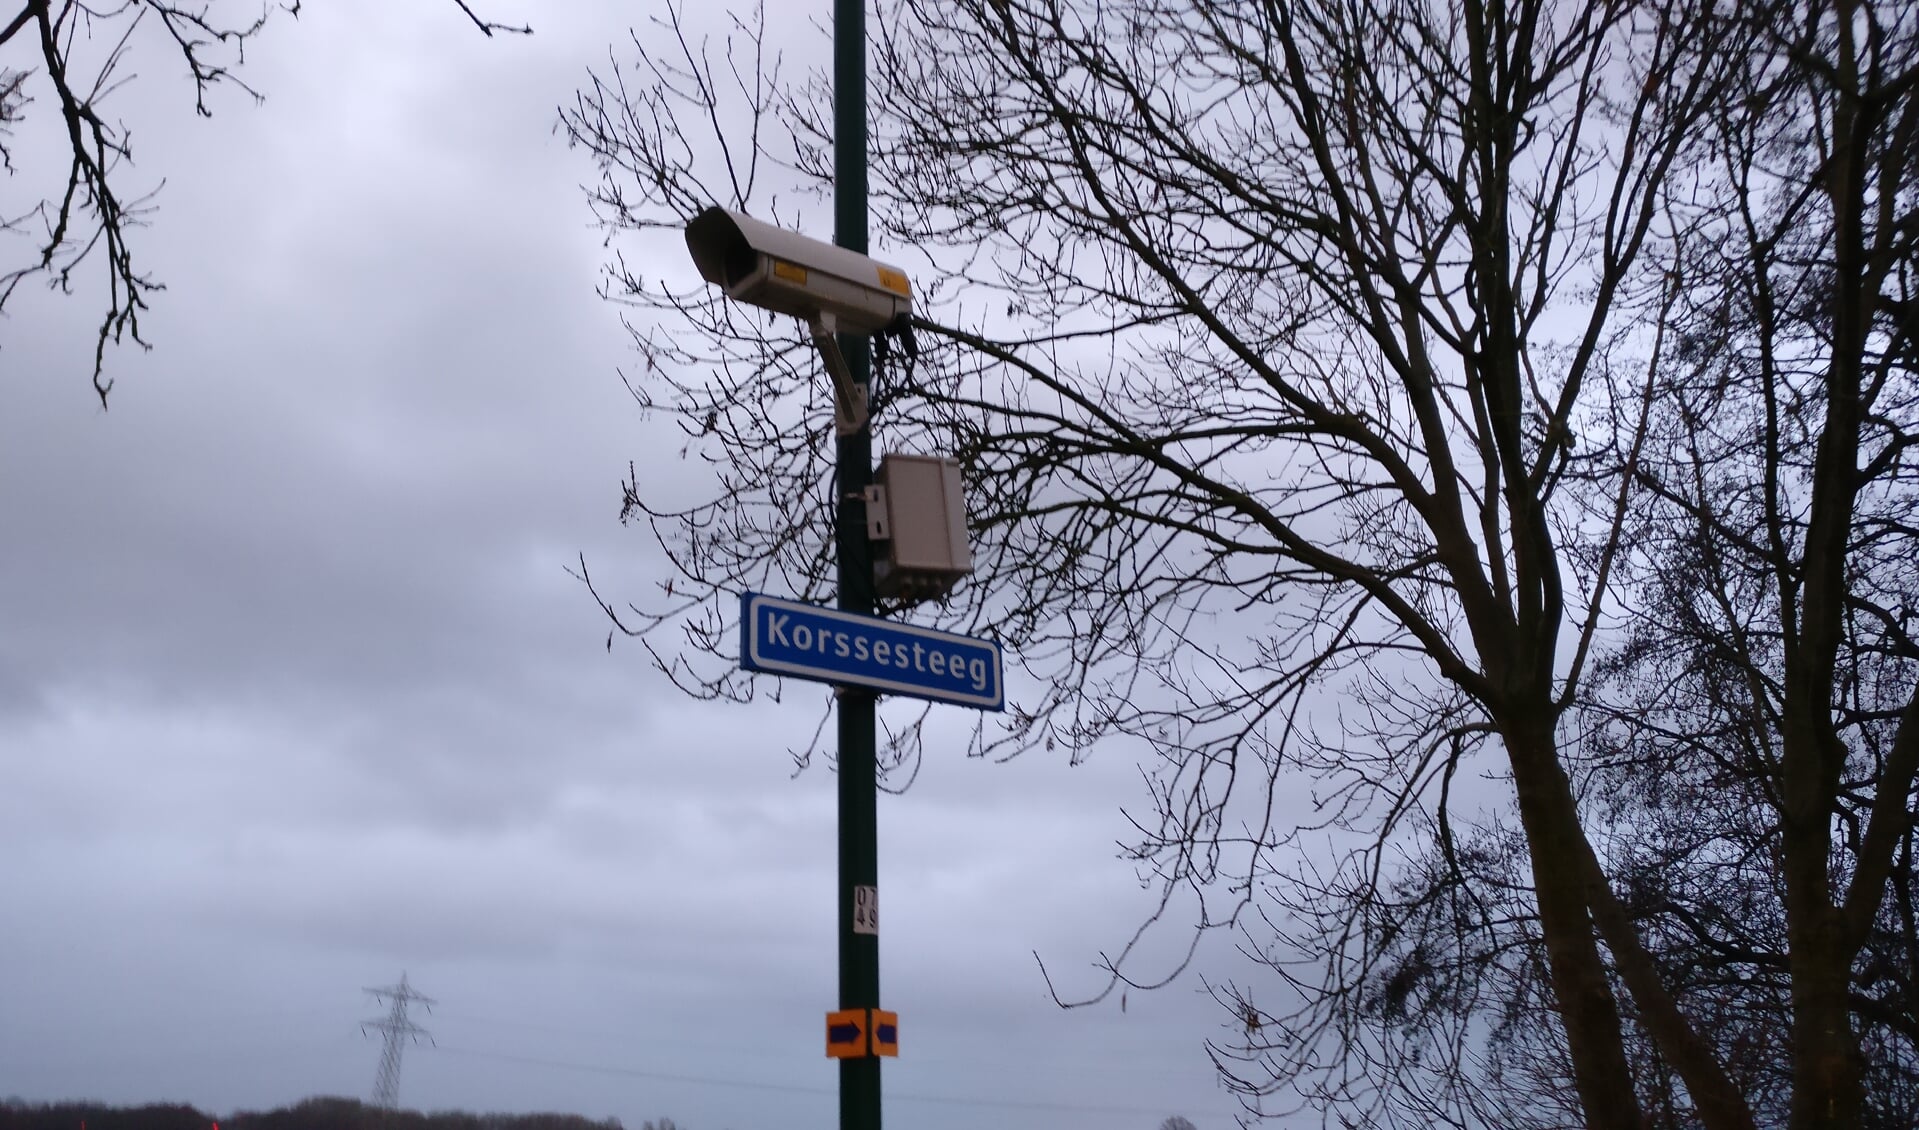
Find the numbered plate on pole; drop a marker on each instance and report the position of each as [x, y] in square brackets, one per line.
[866, 910]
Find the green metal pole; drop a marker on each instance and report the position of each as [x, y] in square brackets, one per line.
[858, 787]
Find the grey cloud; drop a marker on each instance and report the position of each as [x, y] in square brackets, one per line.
[295, 692]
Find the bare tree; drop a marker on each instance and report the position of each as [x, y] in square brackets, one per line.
[1773, 560]
[1751, 743]
[1316, 369]
[75, 54]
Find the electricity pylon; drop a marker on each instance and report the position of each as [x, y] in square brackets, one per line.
[398, 1030]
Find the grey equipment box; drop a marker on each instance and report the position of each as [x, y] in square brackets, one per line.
[917, 511]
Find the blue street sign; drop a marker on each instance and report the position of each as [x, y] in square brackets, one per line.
[806, 641]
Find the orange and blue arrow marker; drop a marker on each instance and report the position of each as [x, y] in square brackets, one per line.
[886, 1032]
[846, 1034]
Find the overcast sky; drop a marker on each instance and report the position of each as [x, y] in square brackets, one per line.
[296, 693]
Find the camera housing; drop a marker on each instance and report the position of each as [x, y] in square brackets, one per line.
[830, 287]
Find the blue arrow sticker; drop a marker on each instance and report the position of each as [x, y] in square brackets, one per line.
[842, 1033]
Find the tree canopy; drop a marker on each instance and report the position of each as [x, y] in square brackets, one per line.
[1491, 420]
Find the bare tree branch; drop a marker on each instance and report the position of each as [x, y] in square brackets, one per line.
[83, 51]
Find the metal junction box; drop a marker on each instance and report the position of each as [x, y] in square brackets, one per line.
[916, 511]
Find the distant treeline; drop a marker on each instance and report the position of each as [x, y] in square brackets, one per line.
[313, 1114]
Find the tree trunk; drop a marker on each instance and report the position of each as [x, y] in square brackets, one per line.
[1586, 1000]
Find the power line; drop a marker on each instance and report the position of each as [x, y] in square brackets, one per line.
[398, 1029]
[800, 1089]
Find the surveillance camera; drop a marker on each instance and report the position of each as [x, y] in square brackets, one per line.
[832, 288]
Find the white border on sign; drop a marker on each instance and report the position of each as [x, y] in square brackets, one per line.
[914, 690]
